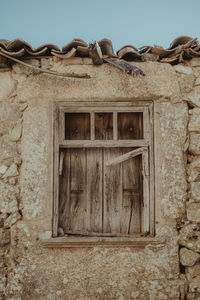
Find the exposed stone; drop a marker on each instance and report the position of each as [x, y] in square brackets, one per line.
[4, 236]
[23, 107]
[192, 272]
[194, 146]
[194, 285]
[197, 82]
[194, 97]
[12, 171]
[194, 120]
[188, 257]
[7, 85]
[9, 115]
[193, 211]
[12, 180]
[183, 69]
[195, 191]
[8, 198]
[16, 132]
[3, 217]
[186, 77]
[12, 219]
[193, 170]
[18, 160]
[3, 169]
[190, 237]
[195, 62]
[8, 150]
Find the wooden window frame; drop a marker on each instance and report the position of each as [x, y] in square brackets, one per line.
[145, 144]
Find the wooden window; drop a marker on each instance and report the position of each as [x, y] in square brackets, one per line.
[103, 169]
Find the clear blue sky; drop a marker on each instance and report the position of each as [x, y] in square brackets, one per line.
[141, 22]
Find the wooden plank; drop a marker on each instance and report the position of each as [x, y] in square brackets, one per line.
[103, 126]
[56, 170]
[103, 144]
[132, 193]
[93, 209]
[130, 125]
[112, 193]
[76, 205]
[115, 129]
[77, 126]
[61, 163]
[92, 126]
[145, 174]
[124, 157]
[64, 197]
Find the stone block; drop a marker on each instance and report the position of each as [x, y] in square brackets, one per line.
[193, 212]
[193, 271]
[197, 82]
[193, 170]
[3, 169]
[186, 78]
[4, 236]
[8, 198]
[188, 257]
[194, 120]
[7, 85]
[16, 132]
[195, 62]
[9, 115]
[183, 69]
[8, 150]
[194, 146]
[194, 97]
[11, 172]
[195, 191]
[12, 219]
[189, 237]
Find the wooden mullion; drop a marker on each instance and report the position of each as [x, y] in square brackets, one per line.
[56, 171]
[115, 129]
[61, 126]
[92, 126]
[146, 128]
[145, 174]
[151, 162]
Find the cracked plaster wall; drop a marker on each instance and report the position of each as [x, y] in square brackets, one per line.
[169, 270]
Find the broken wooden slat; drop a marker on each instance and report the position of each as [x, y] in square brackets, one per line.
[124, 157]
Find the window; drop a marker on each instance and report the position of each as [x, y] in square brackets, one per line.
[103, 169]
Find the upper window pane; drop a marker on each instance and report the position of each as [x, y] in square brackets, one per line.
[103, 126]
[130, 125]
[77, 126]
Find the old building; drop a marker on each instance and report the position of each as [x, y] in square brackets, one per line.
[100, 172]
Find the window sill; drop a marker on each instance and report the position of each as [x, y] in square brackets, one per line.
[88, 242]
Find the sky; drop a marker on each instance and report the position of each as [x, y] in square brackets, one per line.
[139, 23]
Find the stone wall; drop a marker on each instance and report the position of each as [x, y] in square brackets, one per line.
[169, 269]
[189, 234]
